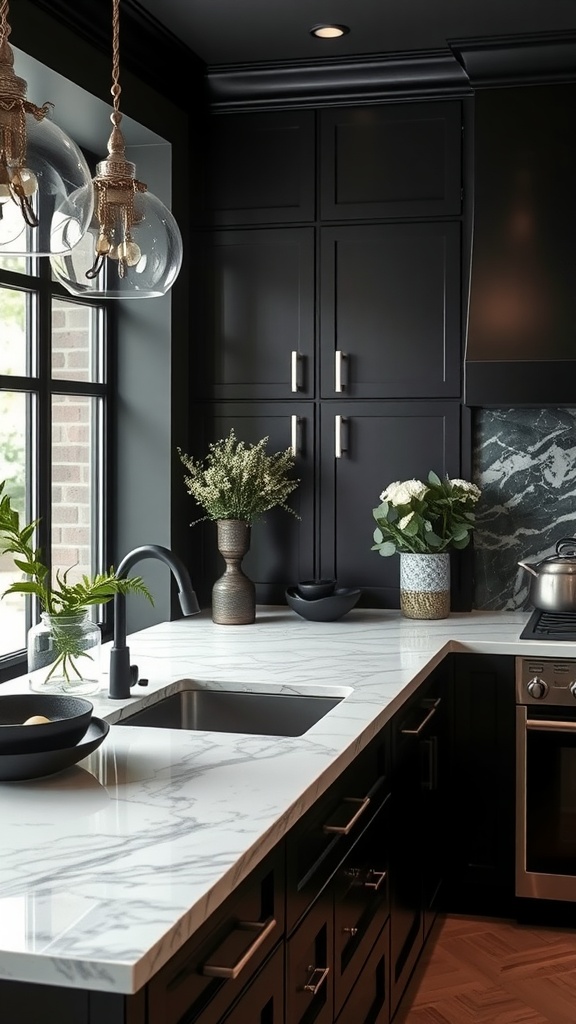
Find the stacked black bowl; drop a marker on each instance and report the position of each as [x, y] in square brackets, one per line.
[321, 600]
[41, 734]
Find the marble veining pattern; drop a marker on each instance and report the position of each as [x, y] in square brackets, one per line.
[110, 866]
[525, 463]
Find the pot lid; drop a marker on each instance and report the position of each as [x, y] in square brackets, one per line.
[563, 562]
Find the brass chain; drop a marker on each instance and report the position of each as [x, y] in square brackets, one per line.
[116, 116]
[4, 26]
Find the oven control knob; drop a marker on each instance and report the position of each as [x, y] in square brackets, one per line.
[537, 688]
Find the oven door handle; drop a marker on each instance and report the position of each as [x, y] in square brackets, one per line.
[543, 725]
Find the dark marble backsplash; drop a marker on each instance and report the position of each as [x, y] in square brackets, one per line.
[524, 461]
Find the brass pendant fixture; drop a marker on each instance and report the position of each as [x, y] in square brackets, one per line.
[45, 197]
[137, 246]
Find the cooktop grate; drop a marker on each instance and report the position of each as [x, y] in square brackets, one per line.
[550, 626]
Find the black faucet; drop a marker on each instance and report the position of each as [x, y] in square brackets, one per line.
[123, 675]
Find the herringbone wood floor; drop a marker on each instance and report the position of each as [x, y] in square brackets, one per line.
[486, 971]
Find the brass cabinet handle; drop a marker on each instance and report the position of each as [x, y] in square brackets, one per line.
[263, 930]
[425, 720]
[343, 830]
[312, 985]
[339, 382]
[350, 931]
[543, 725]
[295, 371]
[379, 875]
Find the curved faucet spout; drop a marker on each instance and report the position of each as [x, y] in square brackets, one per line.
[122, 674]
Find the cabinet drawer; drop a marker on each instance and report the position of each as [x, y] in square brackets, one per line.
[215, 964]
[309, 958]
[369, 999]
[318, 844]
[361, 902]
[263, 1000]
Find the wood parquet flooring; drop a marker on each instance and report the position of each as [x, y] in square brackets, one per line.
[488, 971]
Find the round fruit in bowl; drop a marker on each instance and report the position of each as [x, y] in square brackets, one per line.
[33, 722]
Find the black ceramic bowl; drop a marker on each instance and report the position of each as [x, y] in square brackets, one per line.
[323, 609]
[69, 720]
[314, 589]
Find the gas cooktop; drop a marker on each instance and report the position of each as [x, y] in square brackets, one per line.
[550, 626]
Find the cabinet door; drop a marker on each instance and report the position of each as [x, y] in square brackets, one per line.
[282, 545]
[261, 167]
[365, 446]
[369, 1001]
[390, 311]
[309, 959]
[481, 848]
[263, 1001]
[393, 160]
[258, 337]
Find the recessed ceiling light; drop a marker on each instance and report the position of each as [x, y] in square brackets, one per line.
[329, 31]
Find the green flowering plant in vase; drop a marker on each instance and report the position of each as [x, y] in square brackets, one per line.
[425, 518]
[238, 480]
[64, 602]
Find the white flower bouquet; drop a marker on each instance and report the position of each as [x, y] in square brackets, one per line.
[425, 518]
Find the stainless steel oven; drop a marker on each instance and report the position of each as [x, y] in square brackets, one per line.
[546, 778]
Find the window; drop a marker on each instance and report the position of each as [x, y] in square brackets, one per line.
[54, 413]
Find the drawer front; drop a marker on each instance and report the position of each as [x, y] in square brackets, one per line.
[309, 958]
[263, 1000]
[361, 902]
[369, 1002]
[318, 844]
[215, 964]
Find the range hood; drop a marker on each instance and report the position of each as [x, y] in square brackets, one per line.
[521, 334]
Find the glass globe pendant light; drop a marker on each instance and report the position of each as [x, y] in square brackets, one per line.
[133, 248]
[46, 198]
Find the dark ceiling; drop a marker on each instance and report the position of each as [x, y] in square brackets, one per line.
[250, 31]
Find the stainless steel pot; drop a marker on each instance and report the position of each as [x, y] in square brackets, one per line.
[553, 583]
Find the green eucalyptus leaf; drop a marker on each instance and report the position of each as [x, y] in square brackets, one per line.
[378, 536]
[387, 549]
[434, 479]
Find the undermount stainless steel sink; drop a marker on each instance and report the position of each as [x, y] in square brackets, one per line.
[267, 714]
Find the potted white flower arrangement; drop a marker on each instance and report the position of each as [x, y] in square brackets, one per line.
[422, 521]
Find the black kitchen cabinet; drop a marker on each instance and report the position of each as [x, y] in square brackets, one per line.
[391, 160]
[390, 310]
[369, 1000]
[263, 1000]
[420, 751]
[261, 168]
[364, 447]
[258, 336]
[480, 855]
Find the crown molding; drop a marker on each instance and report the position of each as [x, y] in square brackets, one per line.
[345, 81]
[517, 60]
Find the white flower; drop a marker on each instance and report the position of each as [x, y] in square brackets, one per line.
[385, 496]
[405, 520]
[464, 485]
[402, 493]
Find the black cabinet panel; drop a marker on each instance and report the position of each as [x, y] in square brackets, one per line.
[263, 1001]
[400, 160]
[369, 1001]
[381, 442]
[282, 546]
[23, 1003]
[390, 302]
[260, 311]
[309, 958]
[262, 168]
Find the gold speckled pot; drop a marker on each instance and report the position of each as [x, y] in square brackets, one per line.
[233, 595]
[425, 585]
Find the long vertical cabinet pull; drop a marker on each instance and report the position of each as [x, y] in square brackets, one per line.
[294, 432]
[339, 382]
[295, 371]
[340, 444]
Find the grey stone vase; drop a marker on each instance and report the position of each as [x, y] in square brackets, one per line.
[233, 595]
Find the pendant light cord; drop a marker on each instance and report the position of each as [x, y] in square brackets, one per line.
[116, 116]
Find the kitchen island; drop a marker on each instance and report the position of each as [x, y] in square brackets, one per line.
[108, 868]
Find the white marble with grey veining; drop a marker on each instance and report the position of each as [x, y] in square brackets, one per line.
[109, 867]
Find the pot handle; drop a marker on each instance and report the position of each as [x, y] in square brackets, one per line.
[566, 542]
[529, 568]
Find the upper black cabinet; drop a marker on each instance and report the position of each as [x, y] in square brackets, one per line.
[400, 160]
[390, 310]
[261, 168]
[259, 339]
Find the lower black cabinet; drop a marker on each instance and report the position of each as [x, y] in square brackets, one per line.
[480, 854]
[419, 749]
[369, 1000]
[263, 1001]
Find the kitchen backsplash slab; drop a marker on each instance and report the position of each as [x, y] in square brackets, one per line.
[524, 461]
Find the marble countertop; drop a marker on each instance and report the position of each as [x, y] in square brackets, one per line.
[109, 867]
